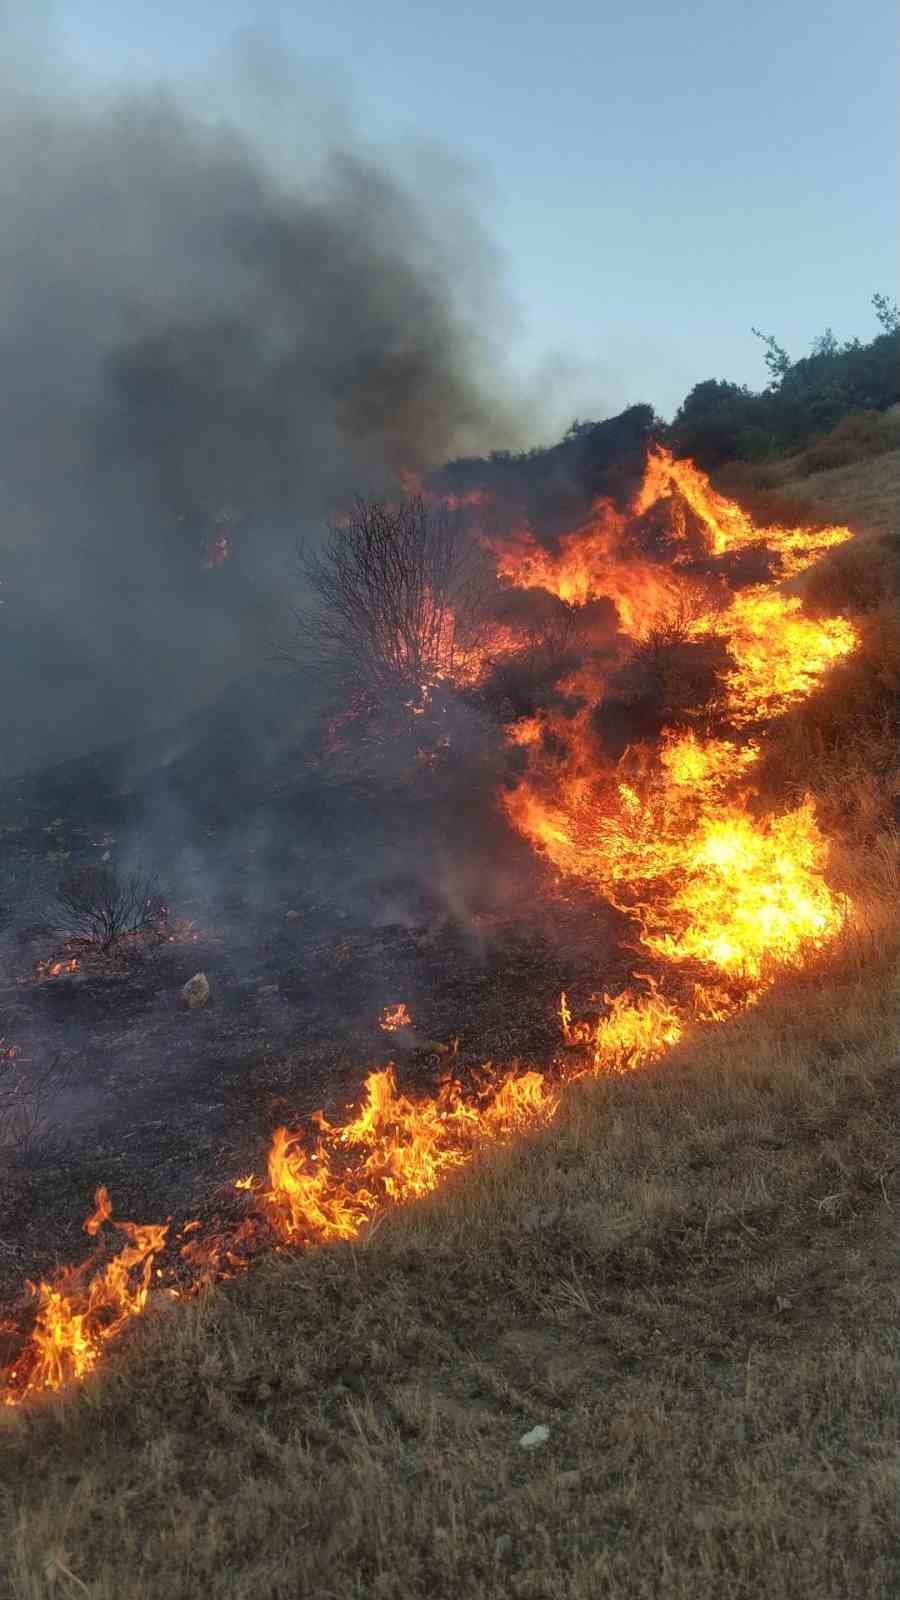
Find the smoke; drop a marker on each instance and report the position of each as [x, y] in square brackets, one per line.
[209, 343]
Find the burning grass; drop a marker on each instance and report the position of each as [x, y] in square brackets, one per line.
[723, 898]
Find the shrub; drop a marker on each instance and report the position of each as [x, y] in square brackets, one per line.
[101, 906]
[397, 598]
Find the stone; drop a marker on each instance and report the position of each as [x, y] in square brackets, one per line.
[195, 991]
[534, 1437]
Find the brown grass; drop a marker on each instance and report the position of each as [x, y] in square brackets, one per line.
[691, 1279]
[864, 492]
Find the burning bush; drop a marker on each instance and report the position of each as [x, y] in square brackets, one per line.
[102, 907]
[398, 599]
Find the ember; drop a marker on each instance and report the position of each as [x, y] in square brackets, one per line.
[394, 1017]
[54, 969]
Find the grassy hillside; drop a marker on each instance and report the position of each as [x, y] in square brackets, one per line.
[851, 476]
[689, 1279]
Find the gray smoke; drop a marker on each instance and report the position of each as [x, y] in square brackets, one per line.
[205, 352]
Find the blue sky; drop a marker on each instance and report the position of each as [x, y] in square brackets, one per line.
[657, 177]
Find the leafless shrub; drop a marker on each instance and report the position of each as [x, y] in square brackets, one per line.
[397, 598]
[103, 906]
[28, 1097]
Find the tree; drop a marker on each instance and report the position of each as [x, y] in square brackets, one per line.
[396, 600]
[776, 358]
[887, 312]
[715, 421]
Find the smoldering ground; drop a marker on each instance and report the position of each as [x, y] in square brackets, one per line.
[208, 346]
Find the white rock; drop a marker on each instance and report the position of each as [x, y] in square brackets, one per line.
[534, 1437]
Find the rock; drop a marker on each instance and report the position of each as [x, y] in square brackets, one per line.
[195, 991]
[534, 1437]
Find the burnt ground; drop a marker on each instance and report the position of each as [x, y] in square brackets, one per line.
[310, 904]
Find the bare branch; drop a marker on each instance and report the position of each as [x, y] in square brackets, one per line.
[397, 599]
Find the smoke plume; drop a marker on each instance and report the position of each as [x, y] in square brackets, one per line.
[207, 349]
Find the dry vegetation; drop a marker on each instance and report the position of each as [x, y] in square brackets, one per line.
[852, 475]
[690, 1279]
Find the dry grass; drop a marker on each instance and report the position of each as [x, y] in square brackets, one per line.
[852, 476]
[865, 493]
[691, 1279]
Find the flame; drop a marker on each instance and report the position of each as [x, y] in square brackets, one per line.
[78, 1314]
[395, 1150]
[719, 894]
[777, 653]
[674, 837]
[394, 1017]
[54, 969]
[726, 526]
[670, 839]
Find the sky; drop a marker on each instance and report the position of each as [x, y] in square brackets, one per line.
[657, 178]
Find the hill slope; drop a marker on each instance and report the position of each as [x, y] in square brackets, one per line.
[689, 1279]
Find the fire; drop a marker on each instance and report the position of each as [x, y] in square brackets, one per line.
[392, 1150]
[670, 839]
[726, 526]
[394, 1017]
[79, 1313]
[720, 896]
[674, 837]
[590, 566]
[54, 969]
[395, 1150]
[777, 653]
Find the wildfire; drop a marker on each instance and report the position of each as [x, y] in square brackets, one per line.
[673, 836]
[670, 839]
[394, 1149]
[720, 896]
[79, 1313]
[726, 526]
[394, 1017]
[777, 653]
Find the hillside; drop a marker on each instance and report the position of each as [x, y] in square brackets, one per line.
[688, 1278]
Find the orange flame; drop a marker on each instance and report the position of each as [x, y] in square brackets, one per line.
[394, 1017]
[777, 654]
[674, 838]
[54, 969]
[717, 893]
[78, 1315]
[395, 1150]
